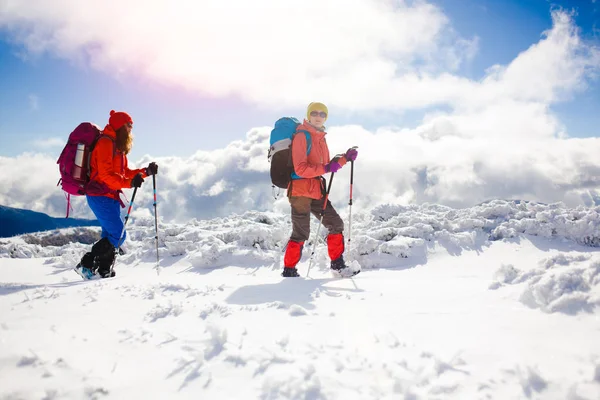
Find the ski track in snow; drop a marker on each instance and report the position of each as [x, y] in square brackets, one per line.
[493, 302]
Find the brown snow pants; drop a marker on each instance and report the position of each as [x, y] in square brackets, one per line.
[302, 207]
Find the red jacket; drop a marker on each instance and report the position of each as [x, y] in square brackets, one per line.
[312, 165]
[109, 167]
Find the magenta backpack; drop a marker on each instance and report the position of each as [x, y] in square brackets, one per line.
[74, 161]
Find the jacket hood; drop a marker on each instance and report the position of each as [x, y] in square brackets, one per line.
[109, 131]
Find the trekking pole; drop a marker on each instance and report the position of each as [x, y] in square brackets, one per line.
[350, 202]
[320, 223]
[123, 231]
[155, 224]
[128, 213]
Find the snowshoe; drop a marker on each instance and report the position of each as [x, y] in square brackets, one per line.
[347, 272]
[84, 272]
[340, 269]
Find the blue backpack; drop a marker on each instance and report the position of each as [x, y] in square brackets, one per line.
[280, 152]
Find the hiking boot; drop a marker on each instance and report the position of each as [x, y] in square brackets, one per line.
[107, 274]
[87, 260]
[338, 264]
[104, 262]
[290, 273]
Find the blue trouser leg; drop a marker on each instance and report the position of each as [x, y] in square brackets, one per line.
[108, 213]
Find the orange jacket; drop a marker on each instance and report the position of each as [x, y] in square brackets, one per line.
[109, 166]
[312, 165]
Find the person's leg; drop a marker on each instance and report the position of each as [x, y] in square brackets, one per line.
[104, 262]
[335, 225]
[300, 232]
[88, 261]
[99, 248]
[108, 213]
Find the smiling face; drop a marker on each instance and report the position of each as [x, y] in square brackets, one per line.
[317, 118]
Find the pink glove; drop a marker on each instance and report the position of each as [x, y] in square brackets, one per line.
[333, 166]
[351, 154]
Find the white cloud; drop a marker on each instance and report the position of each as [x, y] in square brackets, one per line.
[556, 65]
[267, 51]
[406, 166]
[216, 189]
[34, 102]
[49, 142]
[358, 55]
[29, 181]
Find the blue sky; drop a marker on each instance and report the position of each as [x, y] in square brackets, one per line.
[44, 96]
[507, 27]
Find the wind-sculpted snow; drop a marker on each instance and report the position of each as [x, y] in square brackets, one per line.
[445, 308]
[562, 283]
[499, 219]
[390, 236]
[379, 237]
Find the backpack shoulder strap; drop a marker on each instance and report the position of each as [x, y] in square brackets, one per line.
[102, 136]
[308, 140]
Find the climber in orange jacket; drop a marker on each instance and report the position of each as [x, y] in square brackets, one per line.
[109, 173]
[307, 188]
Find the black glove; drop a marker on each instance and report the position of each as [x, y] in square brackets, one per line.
[137, 180]
[152, 169]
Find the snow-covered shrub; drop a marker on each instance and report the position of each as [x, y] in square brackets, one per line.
[381, 237]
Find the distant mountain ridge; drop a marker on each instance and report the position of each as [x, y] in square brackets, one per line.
[16, 221]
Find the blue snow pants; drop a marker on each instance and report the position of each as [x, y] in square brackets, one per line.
[108, 213]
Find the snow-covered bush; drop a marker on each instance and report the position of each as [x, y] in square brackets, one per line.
[386, 236]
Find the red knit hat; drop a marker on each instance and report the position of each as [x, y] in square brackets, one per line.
[118, 119]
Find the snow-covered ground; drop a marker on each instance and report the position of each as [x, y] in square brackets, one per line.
[498, 301]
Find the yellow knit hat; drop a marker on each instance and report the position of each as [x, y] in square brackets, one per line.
[316, 106]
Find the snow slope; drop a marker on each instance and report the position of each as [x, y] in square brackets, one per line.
[497, 301]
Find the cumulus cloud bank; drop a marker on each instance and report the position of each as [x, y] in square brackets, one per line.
[393, 167]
